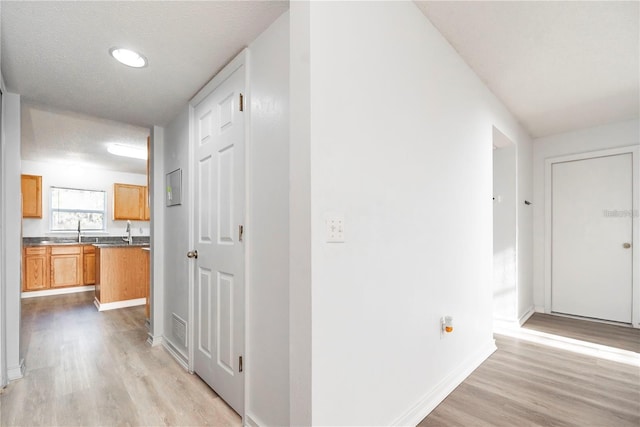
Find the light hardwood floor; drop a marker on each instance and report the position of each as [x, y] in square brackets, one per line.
[611, 335]
[530, 384]
[86, 368]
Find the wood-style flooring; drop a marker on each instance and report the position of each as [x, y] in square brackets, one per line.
[529, 384]
[611, 335]
[85, 368]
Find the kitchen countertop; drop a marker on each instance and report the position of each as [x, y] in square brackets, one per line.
[120, 245]
[102, 241]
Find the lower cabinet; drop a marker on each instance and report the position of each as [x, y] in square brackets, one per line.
[36, 268]
[121, 274]
[57, 266]
[89, 265]
[66, 266]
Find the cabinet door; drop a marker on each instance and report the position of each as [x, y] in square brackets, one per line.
[147, 215]
[89, 270]
[36, 273]
[31, 186]
[128, 202]
[66, 266]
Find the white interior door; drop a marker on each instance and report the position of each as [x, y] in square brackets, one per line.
[219, 212]
[592, 253]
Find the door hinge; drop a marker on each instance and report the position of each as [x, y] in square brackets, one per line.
[240, 367]
[241, 102]
[240, 232]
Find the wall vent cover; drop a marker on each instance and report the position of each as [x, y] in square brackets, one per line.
[179, 329]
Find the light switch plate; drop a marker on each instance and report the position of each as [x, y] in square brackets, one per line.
[335, 228]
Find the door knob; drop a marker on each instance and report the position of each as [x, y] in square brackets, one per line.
[192, 254]
[626, 245]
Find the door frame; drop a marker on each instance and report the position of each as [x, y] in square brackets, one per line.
[634, 150]
[240, 60]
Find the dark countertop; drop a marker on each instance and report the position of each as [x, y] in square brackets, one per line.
[120, 245]
[101, 241]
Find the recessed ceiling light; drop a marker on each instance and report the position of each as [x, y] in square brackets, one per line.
[128, 57]
[128, 151]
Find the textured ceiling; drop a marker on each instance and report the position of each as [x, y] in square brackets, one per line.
[76, 140]
[557, 66]
[56, 52]
[77, 98]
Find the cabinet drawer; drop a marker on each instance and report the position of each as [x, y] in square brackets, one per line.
[66, 250]
[35, 250]
[89, 249]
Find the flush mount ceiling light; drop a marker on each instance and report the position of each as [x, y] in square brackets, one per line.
[128, 57]
[128, 151]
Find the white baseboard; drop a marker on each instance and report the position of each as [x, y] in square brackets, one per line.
[16, 372]
[153, 341]
[502, 323]
[523, 319]
[119, 304]
[177, 354]
[429, 401]
[61, 291]
[249, 421]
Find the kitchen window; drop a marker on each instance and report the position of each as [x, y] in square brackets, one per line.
[70, 205]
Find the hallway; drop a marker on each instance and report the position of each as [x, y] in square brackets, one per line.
[89, 368]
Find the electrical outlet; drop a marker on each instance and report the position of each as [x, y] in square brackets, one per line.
[335, 229]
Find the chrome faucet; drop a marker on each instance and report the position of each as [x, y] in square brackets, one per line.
[79, 233]
[128, 237]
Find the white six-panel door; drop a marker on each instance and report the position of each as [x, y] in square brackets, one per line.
[592, 237]
[219, 212]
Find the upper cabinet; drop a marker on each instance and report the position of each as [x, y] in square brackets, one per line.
[31, 196]
[130, 202]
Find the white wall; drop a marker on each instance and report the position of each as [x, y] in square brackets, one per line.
[524, 235]
[60, 175]
[401, 145]
[581, 141]
[512, 229]
[505, 293]
[3, 337]
[176, 230]
[158, 260]
[299, 216]
[267, 381]
[11, 244]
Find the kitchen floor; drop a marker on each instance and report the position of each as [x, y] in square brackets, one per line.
[89, 368]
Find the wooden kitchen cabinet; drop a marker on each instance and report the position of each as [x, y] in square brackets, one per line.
[66, 266]
[36, 268]
[147, 215]
[88, 265]
[57, 266]
[121, 274]
[130, 202]
[31, 186]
